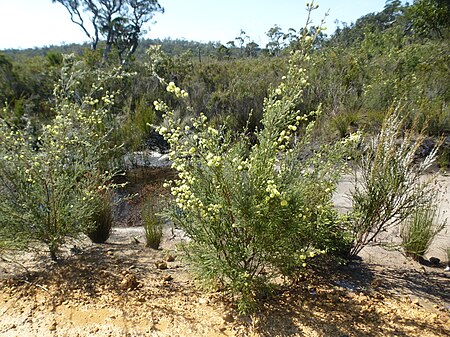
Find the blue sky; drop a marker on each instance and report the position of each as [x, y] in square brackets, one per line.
[36, 23]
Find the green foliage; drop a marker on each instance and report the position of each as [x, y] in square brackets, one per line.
[443, 159]
[152, 221]
[133, 131]
[420, 229]
[361, 69]
[26, 84]
[226, 91]
[355, 75]
[100, 230]
[430, 18]
[389, 183]
[54, 59]
[50, 178]
[345, 123]
[255, 212]
[364, 67]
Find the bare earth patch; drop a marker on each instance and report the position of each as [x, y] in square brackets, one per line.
[124, 289]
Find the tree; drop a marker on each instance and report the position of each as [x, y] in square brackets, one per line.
[119, 22]
[251, 49]
[223, 52]
[275, 36]
[430, 18]
[241, 39]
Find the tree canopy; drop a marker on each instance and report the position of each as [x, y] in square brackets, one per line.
[119, 22]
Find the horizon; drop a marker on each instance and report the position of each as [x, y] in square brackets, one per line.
[49, 24]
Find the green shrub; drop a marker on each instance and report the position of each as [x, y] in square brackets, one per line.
[135, 128]
[344, 122]
[49, 180]
[444, 158]
[419, 230]
[152, 221]
[102, 220]
[389, 181]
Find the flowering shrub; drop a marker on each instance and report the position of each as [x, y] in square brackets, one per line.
[49, 179]
[255, 212]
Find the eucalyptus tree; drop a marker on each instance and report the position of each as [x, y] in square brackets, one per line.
[275, 44]
[119, 22]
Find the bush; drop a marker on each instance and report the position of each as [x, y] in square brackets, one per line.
[419, 231]
[255, 212]
[102, 220]
[344, 122]
[49, 179]
[389, 181]
[152, 221]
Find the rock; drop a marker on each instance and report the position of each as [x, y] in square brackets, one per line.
[52, 327]
[447, 268]
[129, 282]
[228, 317]
[152, 159]
[167, 278]
[161, 265]
[435, 261]
[203, 301]
[170, 258]
[415, 301]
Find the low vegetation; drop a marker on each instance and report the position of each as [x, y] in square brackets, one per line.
[100, 230]
[389, 182]
[419, 230]
[152, 221]
[259, 138]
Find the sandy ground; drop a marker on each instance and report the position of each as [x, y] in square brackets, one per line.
[122, 288]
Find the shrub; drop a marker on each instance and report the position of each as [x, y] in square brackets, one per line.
[344, 122]
[102, 220]
[49, 179]
[134, 129]
[152, 221]
[419, 231]
[389, 181]
[255, 212]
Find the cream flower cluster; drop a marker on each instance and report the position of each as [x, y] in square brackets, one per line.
[171, 87]
[272, 189]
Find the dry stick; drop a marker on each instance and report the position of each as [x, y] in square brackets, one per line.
[4, 258]
[37, 285]
[23, 267]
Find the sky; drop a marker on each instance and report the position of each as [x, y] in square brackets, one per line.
[38, 23]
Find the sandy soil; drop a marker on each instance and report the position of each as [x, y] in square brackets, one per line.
[122, 288]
